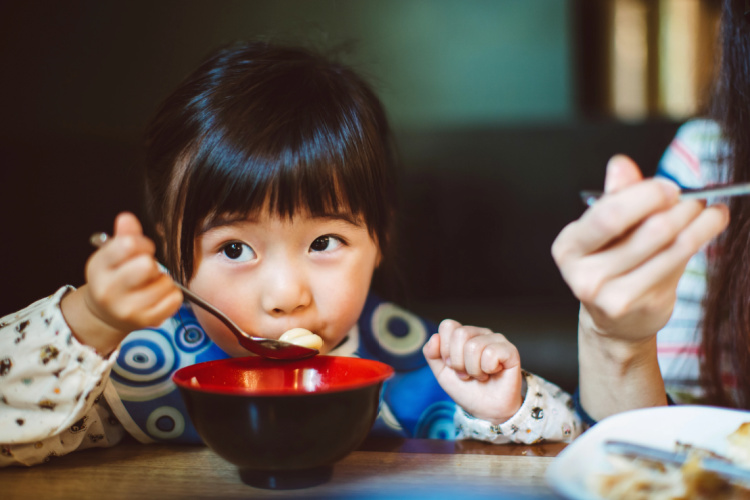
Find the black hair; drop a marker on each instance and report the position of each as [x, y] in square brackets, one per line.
[258, 124]
[726, 322]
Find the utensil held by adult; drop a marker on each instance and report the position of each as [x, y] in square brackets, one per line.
[589, 197]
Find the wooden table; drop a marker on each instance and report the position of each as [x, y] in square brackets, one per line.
[379, 469]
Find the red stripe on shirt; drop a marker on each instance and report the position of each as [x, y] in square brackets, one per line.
[672, 349]
[687, 156]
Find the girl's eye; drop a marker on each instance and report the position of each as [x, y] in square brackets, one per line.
[326, 243]
[237, 251]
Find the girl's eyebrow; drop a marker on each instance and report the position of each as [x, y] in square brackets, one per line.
[230, 220]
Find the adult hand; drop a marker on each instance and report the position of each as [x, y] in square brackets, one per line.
[624, 256]
[479, 369]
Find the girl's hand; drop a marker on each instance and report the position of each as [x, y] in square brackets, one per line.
[124, 290]
[479, 369]
[624, 256]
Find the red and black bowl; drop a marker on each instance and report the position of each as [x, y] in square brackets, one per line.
[283, 423]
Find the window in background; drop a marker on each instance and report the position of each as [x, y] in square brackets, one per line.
[628, 48]
[642, 59]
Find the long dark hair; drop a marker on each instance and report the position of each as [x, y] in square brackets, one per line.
[257, 123]
[726, 323]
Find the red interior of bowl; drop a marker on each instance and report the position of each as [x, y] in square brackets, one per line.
[260, 376]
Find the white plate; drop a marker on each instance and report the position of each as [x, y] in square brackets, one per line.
[703, 426]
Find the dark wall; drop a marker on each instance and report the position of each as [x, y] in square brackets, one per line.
[483, 206]
[481, 203]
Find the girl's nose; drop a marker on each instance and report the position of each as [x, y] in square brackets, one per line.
[285, 291]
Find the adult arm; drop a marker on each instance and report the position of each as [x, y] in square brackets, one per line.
[623, 259]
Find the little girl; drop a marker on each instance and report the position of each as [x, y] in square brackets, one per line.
[270, 180]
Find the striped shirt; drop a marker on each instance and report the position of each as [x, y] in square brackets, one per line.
[692, 160]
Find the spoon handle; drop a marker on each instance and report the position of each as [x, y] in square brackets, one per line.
[589, 197]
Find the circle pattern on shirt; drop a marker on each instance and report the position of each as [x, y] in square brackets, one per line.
[191, 338]
[397, 331]
[388, 418]
[145, 357]
[165, 422]
[436, 422]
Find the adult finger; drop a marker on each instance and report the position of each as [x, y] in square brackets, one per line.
[621, 172]
[637, 286]
[612, 217]
[589, 273]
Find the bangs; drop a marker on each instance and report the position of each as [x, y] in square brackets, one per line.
[312, 180]
[260, 128]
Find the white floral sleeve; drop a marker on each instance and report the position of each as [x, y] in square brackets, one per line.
[546, 414]
[50, 388]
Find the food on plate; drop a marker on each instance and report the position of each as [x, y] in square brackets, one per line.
[302, 337]
[739, 445]
[641, 478]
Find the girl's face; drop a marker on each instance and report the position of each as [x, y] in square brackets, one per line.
[270, 274]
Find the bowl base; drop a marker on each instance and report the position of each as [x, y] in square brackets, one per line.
[286, 479]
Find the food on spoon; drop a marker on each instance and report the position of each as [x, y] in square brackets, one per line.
[302, 337]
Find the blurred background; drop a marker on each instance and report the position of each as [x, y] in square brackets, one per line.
[503, 110]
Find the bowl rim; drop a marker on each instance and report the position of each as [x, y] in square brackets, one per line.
[182, 377]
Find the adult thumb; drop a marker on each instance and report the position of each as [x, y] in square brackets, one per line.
[621, 173]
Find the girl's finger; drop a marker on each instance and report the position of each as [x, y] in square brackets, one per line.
[445, 331]
[162, 309]
[466, 345]
[136, 273]
[456, 351]
[431, 349]
[128, 240]
[482, 355]
[119, 250]
[138, 305]
[498, 356]
[127, 224]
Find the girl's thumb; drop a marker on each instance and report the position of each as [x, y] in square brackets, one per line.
[127, 224]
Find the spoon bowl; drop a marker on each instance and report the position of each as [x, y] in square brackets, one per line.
[267, 348]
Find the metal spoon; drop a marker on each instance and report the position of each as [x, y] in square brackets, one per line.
[720, 466]
[268, 348]
[727, 190]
